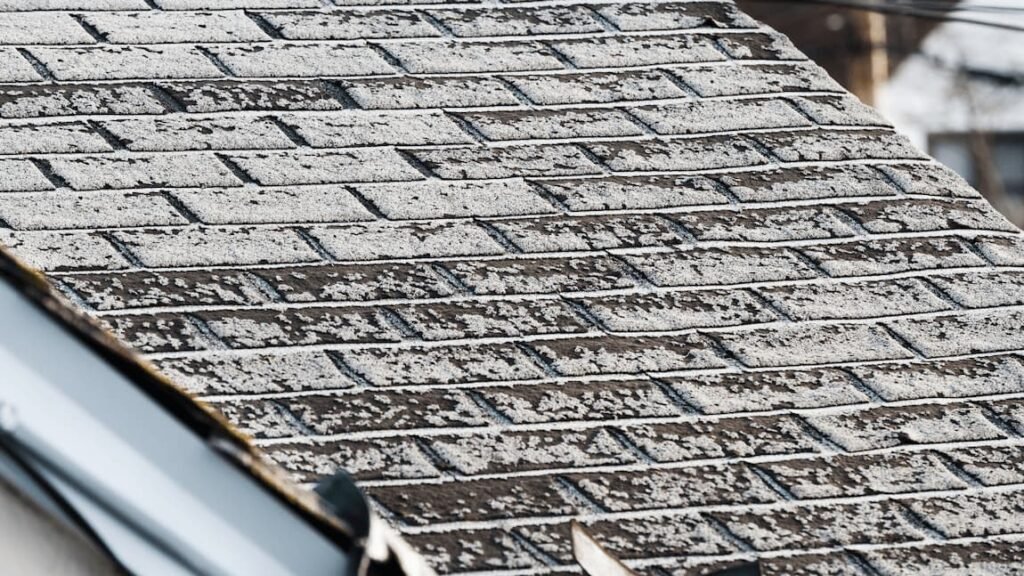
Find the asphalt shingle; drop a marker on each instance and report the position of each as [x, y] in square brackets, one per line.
[637, 261]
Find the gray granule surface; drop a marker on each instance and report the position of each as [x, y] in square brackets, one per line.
[638, 263]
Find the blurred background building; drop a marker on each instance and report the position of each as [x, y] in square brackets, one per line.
[949, 74]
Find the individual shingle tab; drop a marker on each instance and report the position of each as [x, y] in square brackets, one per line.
[834, 563]
[235, 95]
[371, 410]
[518, 21]
[587, 233]
[745, 79]
[694, 486]
[165, 248]
[162, 27]
[72, 99]
[41, 5]
[667, 311]
[474, 550]
[63, 210]
[761, 391]
[59, 138]
[454, 57]
[983, 289]
[809, 526]
[992, 465]
[551, 124]
[349, 25]
[380, 410]
[634, 193]
[1006, 414]
[720, 116]
[678, 534]
[255, 373]
[708, 153]
[384, 240]
[892, 473]
[872, 257]
[376, 459]
[810, 344]
[474, 500]
[126, 62]
[580, 401]
[867, 429]
[442, 365]
[483, 163]
[22, 175]
[433, 199]
[155, 333]
[308, 167]
[15, 68]
[676, 16]
[728, 437]
[305, 204]
[976, 332]
[930, 180]
[416, 92]
[985, 376]
[41, 28]
[300, 327]
[307, 60]
[594, 87]
[493, 319]
[146, 289]
[990, 556]
[179, 134]
[143, 171]
[868, 299]
[376, 129]
[766, 225]
[355, 282]
[927, 216]
[836, 145]
[759, 46]
[628, 51]
[235, 4]
[64, 251]
[721, 266]
[620, 355]
[259, 420]
[1001, 250]
[807, 184]
[542, 275]
[839, 111]
[497, 453]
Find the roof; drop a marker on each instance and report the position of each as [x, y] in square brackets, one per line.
[640, 264]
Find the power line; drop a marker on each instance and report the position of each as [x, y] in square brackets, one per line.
[905, 10]
[940, 6]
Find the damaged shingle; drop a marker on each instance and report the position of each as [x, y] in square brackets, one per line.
[637, 263]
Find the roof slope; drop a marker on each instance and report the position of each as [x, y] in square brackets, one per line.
[514, 263]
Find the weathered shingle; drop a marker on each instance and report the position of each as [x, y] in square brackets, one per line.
[160, 27]
[640, 263]
[126, 62]
[42, 28]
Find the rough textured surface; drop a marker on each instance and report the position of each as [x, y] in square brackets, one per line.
[636, 262]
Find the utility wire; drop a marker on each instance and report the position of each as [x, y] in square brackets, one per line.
[963, 6]
[904, 10]
[939, 6]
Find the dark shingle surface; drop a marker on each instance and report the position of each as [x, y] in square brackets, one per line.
[641, 263]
